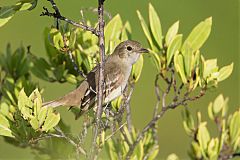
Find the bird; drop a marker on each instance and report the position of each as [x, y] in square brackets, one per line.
[117, 69]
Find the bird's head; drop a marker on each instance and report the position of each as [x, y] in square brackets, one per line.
[129, 51]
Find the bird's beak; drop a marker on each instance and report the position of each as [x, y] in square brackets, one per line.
[143, 50]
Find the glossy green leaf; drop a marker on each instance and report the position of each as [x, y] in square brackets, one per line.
[173, 48]
[171, 33]
[51, 120]
[198, 35]
[137, 69]
[225, 72]
[155, 25]
[5, 127]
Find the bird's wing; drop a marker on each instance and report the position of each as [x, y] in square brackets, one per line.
[113, 78]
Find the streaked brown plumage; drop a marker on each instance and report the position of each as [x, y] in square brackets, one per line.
[117, 69]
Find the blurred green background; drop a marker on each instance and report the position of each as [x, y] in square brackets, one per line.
[27, 28]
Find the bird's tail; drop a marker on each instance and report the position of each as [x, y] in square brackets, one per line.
[73, 98]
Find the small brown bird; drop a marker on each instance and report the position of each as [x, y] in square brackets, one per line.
[117, 69]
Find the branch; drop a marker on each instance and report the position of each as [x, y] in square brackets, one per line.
[101, 24]
[157, 115]
[58, 16]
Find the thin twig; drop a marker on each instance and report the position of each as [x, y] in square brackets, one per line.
[71, 141]
[113, 133]
[58, 16]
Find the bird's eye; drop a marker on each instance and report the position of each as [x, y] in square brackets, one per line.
[129, 48]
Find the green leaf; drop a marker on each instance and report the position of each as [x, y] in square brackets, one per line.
[173, 48]
[225, 72]
[188, 58]
[155, 25]
[111, 150]
[34, 123]
[218, 104]
[56, 38]
[126, 32]
[41, 116]
[210, 111]
[51, 120]
[198, 35]
[146, 31]
[172, 156]
[234, 127]
[5, 127]
[6, 13]
[171, 33]
[155, 59]
[113, 31]
[210, 66]
[71, 78]
[203, 137]
[137, 69]
[179, 65]
[72, 39]
[25, 105]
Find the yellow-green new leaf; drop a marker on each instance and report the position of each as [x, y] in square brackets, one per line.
[137, 69]
[203, 137]
[5, 127]
[155, 25]
[218, 104]
[173, 48]
[171, 33]
[155, 59]
[113, 30]
[210, 66]
[146, 31]
[51, 120]
[198, 35]
[25, 105]
[210, 111]
[188, 58]
[56, 38]
[225, 72]
[126, 31]
[179, 65]
[234, 128]
[172, 156]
